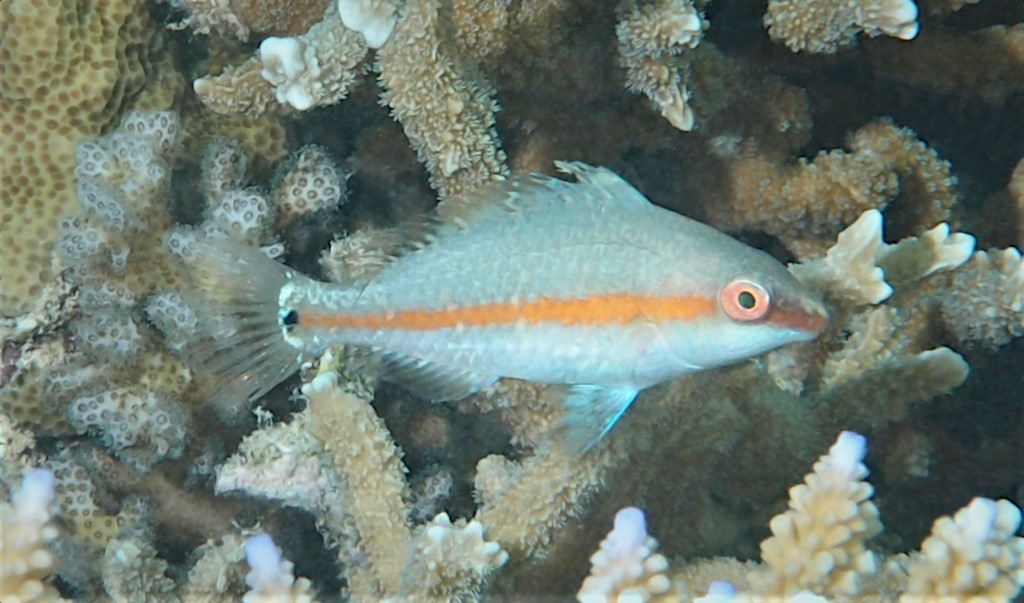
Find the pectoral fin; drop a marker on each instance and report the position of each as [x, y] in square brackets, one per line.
[591, 412]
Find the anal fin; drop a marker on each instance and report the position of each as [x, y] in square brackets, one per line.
[590, 413]
[433, 381]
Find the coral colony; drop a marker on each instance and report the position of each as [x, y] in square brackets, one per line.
[858, 142]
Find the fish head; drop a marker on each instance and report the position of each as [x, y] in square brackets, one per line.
[751, 307]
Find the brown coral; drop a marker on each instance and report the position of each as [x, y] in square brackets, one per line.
[240, 19]
[810, 202]
[68, 70]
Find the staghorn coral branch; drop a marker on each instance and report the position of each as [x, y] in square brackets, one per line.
[372, 473]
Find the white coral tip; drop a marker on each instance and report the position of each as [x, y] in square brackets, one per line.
[285, 66]
[323, 382]
[897, 18]
[630, 531]
[375, 19]
[36, 489]
[904, 19]
[264, 558]
[978, 518]
[848, 451]
[718, 592]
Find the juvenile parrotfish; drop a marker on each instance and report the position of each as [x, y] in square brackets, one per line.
[583, 284]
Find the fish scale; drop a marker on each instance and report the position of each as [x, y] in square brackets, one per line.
[584, 284]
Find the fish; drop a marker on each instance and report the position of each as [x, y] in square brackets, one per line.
[580, 283]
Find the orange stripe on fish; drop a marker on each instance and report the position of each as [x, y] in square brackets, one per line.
[596, 310]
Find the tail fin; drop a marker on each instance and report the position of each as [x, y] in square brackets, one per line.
[242, 352]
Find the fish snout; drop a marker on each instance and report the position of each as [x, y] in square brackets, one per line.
[801, 314]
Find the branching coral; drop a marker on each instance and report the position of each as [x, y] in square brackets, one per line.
[271, 578]
[314, 69]
[823, 27]
[986, 306]
[26, 531]
[649, 37]
[448, 118]
[241, 19]
[817, 552]
[347, 485]
[786, 201]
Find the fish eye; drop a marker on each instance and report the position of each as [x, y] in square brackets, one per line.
[744, 300]
[289, 319]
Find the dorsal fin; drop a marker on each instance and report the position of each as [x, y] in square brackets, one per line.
[523, 193]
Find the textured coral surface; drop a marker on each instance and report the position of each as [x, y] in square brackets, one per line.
[875, 146]
[68, 69]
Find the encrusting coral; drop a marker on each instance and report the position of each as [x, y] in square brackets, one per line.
[69, 69]
[864, 166]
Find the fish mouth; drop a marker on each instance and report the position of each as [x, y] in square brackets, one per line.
[806, 316]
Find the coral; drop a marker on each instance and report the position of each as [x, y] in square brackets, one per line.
[271, 579]
[451, 559]
[649, 38]
[627, 566]
[308, 183]
[281, 462]
[884, 161]
[375, 494]
[263, 138]
[243, 216]
[134, 573]
[123, 179]
[848, 273]
[384, 556]
[76, 492]
[986, 303]
[973, 74]
[141, 427]
[374, 19]
[219, 571]
[818, 544]
[377, 509]
[32, 354]
[817, 552]
[314, 69]
[108, 336]
[448, 118]
[69, 69]
[27, 532]
[174, 317]
[14, 445]
[430, 494]
[358, 255]
[241, 19]
[823, 27]
[976, 553]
